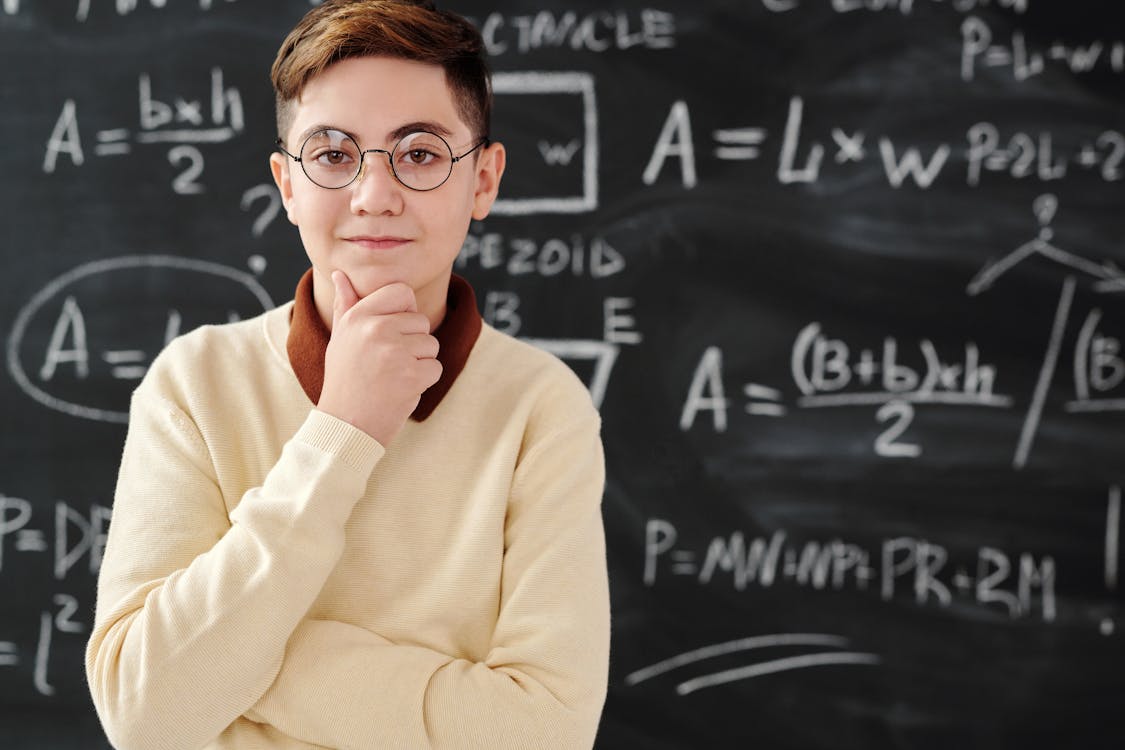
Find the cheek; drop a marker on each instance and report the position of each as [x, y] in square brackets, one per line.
[448, 221]
[311, 210]
[460, 211]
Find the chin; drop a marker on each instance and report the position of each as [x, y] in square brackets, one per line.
[367, 280]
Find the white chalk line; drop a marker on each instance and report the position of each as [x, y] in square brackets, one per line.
[1046, 373]
[730, 647]
[988, 275]
[1107, 278]
[917, 397]
[1112, 530]
[777, 665]
[1095, 405]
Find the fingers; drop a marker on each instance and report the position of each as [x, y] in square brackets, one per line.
[395, 301]
[393, 305]
[423, 346]
[346, 296]
[387, 300]
[380, 344]
[431, 371]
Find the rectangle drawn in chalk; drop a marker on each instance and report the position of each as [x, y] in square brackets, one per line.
[553, 152]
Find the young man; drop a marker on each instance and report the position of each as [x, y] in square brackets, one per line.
[364, 519]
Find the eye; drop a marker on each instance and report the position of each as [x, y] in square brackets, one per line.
[331, 158]
[419, 156]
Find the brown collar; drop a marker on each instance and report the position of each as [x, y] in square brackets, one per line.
[308, 339]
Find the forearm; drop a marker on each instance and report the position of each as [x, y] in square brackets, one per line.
[542, 681]
[344, 687]
[191, 630]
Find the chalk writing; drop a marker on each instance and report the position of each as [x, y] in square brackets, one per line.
[501, 310]
[70, 342]
[1099, 368]
[77, 534]
[70, 535]
[181, 122]
[904, 7]
[826, 373]
[1020, 585]
[1092, 350]
[272, 198]
[592, 32]
[59, 619]
[801, 161]
[816, 428]
[520, 256]
[83, 8]
[980, 49]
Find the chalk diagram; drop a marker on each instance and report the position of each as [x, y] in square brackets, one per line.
[602, 353]
[1093, 379]
[533, 83]
[125, 364]
[568, 83]
[1109, 278]
[770, 666]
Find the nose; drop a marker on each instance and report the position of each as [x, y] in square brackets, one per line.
[376, 190]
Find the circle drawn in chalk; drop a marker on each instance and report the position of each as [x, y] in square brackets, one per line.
[160, 286]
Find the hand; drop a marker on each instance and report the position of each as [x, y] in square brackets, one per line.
[380, 358]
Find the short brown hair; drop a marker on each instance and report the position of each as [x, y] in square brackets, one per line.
[341, 29]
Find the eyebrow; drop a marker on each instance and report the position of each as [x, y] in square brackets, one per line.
[413, 127]
[392, 137]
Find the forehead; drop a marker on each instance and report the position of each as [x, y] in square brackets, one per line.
[373, 96]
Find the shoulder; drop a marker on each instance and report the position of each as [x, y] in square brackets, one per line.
[527, 364]
[244, 337]
[550, 414]
[532, 382]
[211, 358]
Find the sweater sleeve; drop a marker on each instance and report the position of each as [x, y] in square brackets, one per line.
[194, 606]
[543, 681]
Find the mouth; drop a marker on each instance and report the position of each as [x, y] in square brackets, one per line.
[382, 242]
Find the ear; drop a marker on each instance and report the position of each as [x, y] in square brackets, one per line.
[490, 168]
[279, 167]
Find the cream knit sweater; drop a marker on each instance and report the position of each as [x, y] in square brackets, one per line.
[275, 578]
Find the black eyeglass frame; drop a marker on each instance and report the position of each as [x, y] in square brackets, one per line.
[279, 144]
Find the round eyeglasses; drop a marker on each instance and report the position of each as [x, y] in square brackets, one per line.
[420, 161]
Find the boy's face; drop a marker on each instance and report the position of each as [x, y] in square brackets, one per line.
[377, 230]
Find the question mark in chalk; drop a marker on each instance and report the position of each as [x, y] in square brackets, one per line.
[273, 206]
[1045, 207]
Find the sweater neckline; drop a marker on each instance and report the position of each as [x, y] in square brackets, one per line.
[456, 335]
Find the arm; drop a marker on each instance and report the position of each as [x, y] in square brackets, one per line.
[195, 607]
[543, 682]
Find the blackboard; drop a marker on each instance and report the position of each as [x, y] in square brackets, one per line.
[844, 276]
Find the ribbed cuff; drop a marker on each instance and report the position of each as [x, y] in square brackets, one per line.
[353, 446]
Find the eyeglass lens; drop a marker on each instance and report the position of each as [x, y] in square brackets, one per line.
[421, 161]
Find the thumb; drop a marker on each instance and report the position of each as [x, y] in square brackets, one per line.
[345, 295]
